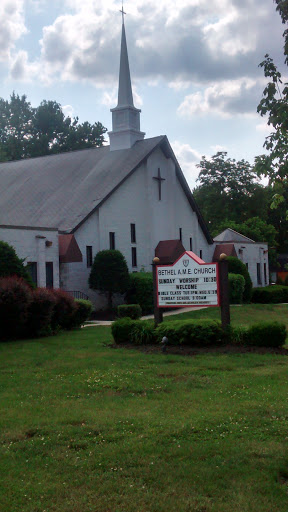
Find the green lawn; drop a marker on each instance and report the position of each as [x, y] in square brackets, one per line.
[241, 315]
[89, 428]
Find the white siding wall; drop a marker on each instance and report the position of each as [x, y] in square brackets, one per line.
[252, 254]
[30, 245]
[136, 202]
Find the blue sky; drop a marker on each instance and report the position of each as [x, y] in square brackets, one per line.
[194, 66]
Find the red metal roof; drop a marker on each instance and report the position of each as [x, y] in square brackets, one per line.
[227, 249]
[69, 251]
[169, 251]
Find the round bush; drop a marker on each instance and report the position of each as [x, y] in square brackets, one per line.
[267, 334]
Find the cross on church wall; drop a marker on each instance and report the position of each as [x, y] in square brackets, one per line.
[159, 179]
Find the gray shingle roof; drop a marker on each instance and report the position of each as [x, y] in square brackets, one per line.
[61, 191]
[229, 235]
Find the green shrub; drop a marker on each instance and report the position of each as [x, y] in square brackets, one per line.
[236, 266]
[274, 294]
[81, 313]
[142, 333]
[63, 311]
[267, 334]
[11, 265]
[140, 291]
[133, 311]
[236, 288]
[192, 332]
[121, 330]
[238, 334]
[15, 298]
[40, 313]
[286, 281]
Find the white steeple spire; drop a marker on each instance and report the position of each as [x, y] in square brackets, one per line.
[125, 117]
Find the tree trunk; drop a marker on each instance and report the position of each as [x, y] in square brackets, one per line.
[110, 305]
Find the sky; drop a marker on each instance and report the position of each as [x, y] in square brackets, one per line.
[194, 66]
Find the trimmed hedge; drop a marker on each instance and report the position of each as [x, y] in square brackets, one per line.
[275, 294]
[140, 291]
[198, 333]
[263, 334]
[236, 288]
[236, 266]
[133, 311]
[64, 310]
[15, 299]
[121, 330]
[191, 332]
[25, 312]
[40, 312]
[138, 332]
[267, 334]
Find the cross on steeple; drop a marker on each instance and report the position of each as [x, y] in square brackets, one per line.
[123, 12]
[159, 179]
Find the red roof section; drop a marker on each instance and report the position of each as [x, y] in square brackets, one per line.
[169, 251]
[69, 251]
[227, 249]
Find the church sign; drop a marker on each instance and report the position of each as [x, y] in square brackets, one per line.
[188, 282]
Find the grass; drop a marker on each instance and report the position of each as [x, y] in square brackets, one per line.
[247, 314]
[87, 428]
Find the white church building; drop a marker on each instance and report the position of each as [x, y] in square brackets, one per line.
[58, 211]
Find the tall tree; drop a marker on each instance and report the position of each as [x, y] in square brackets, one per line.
[229, 191]
[27, 132]
[274, 104]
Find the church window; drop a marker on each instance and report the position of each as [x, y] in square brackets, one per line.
[32, 269]
[134, 256]
[89, 256]
[259, 274]
[49, 274]
[133, 233]
[191, 244]
[265, 273]
[200, 254]
[112, 240]
[180, 234]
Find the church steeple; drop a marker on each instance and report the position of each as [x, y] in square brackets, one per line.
[125, 117]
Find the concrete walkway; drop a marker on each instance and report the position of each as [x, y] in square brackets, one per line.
[95, 323]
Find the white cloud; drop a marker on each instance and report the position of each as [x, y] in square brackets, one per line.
[12, 26]
[68, 111]
[225, 99]
[264, 128]
[217, 148]
[188, 158]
